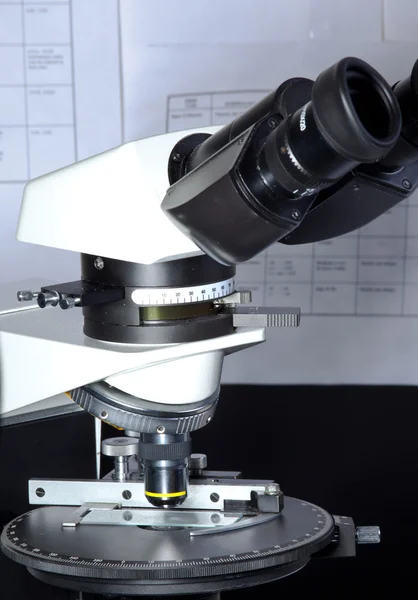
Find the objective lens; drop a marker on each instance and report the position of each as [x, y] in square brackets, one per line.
[353, 117]
[165, 458]
[405, 151]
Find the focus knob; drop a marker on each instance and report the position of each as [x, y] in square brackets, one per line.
[120, 446]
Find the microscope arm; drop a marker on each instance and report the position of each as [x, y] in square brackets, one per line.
[109, 205]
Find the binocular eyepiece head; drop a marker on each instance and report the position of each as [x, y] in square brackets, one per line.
[236, 200]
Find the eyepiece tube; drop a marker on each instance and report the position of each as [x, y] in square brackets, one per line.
[352, 118]
[405, 151]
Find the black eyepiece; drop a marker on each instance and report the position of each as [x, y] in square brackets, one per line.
[405, 151]
[254, 181]
[353, 117]
[356, 111]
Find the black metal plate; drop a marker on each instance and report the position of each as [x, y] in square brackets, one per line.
[38, 541]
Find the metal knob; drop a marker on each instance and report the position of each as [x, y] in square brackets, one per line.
[368, 534]
[48, 299]
[26, 295]
[69, 302]
[272, 489]
[120, 448]
[198, 462]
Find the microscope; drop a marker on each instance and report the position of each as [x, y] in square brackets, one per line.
[140, 340]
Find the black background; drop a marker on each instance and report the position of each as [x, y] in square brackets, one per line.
[351, 450]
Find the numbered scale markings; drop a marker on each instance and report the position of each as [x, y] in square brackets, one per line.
[176, 295]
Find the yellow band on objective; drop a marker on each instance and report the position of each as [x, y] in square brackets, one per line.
[173, 495]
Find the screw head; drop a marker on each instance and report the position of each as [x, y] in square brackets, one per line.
[99, 263]
[407, 184]
[214, 497]
[160, 429]
[176, 157]
[40, 492]
[126, 494]
[272, 489]
[127, 515]
[272, 123]
[295, 214]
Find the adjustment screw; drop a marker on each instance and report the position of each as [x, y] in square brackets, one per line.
[160, 429]
[120, 446]
[26, 295]
[272, 123]
[295, 214]
[99, 263]
[40, 492]
[368, 534]
[272, 489]
[407, 184]
[198, 462]
[214, 497]
[176, 157]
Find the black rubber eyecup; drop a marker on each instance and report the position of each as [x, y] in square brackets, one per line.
[356, 110]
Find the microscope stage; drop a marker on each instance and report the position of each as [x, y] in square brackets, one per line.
[145, 560]
[114, 559]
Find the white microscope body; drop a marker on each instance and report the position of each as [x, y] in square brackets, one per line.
[108, 206]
